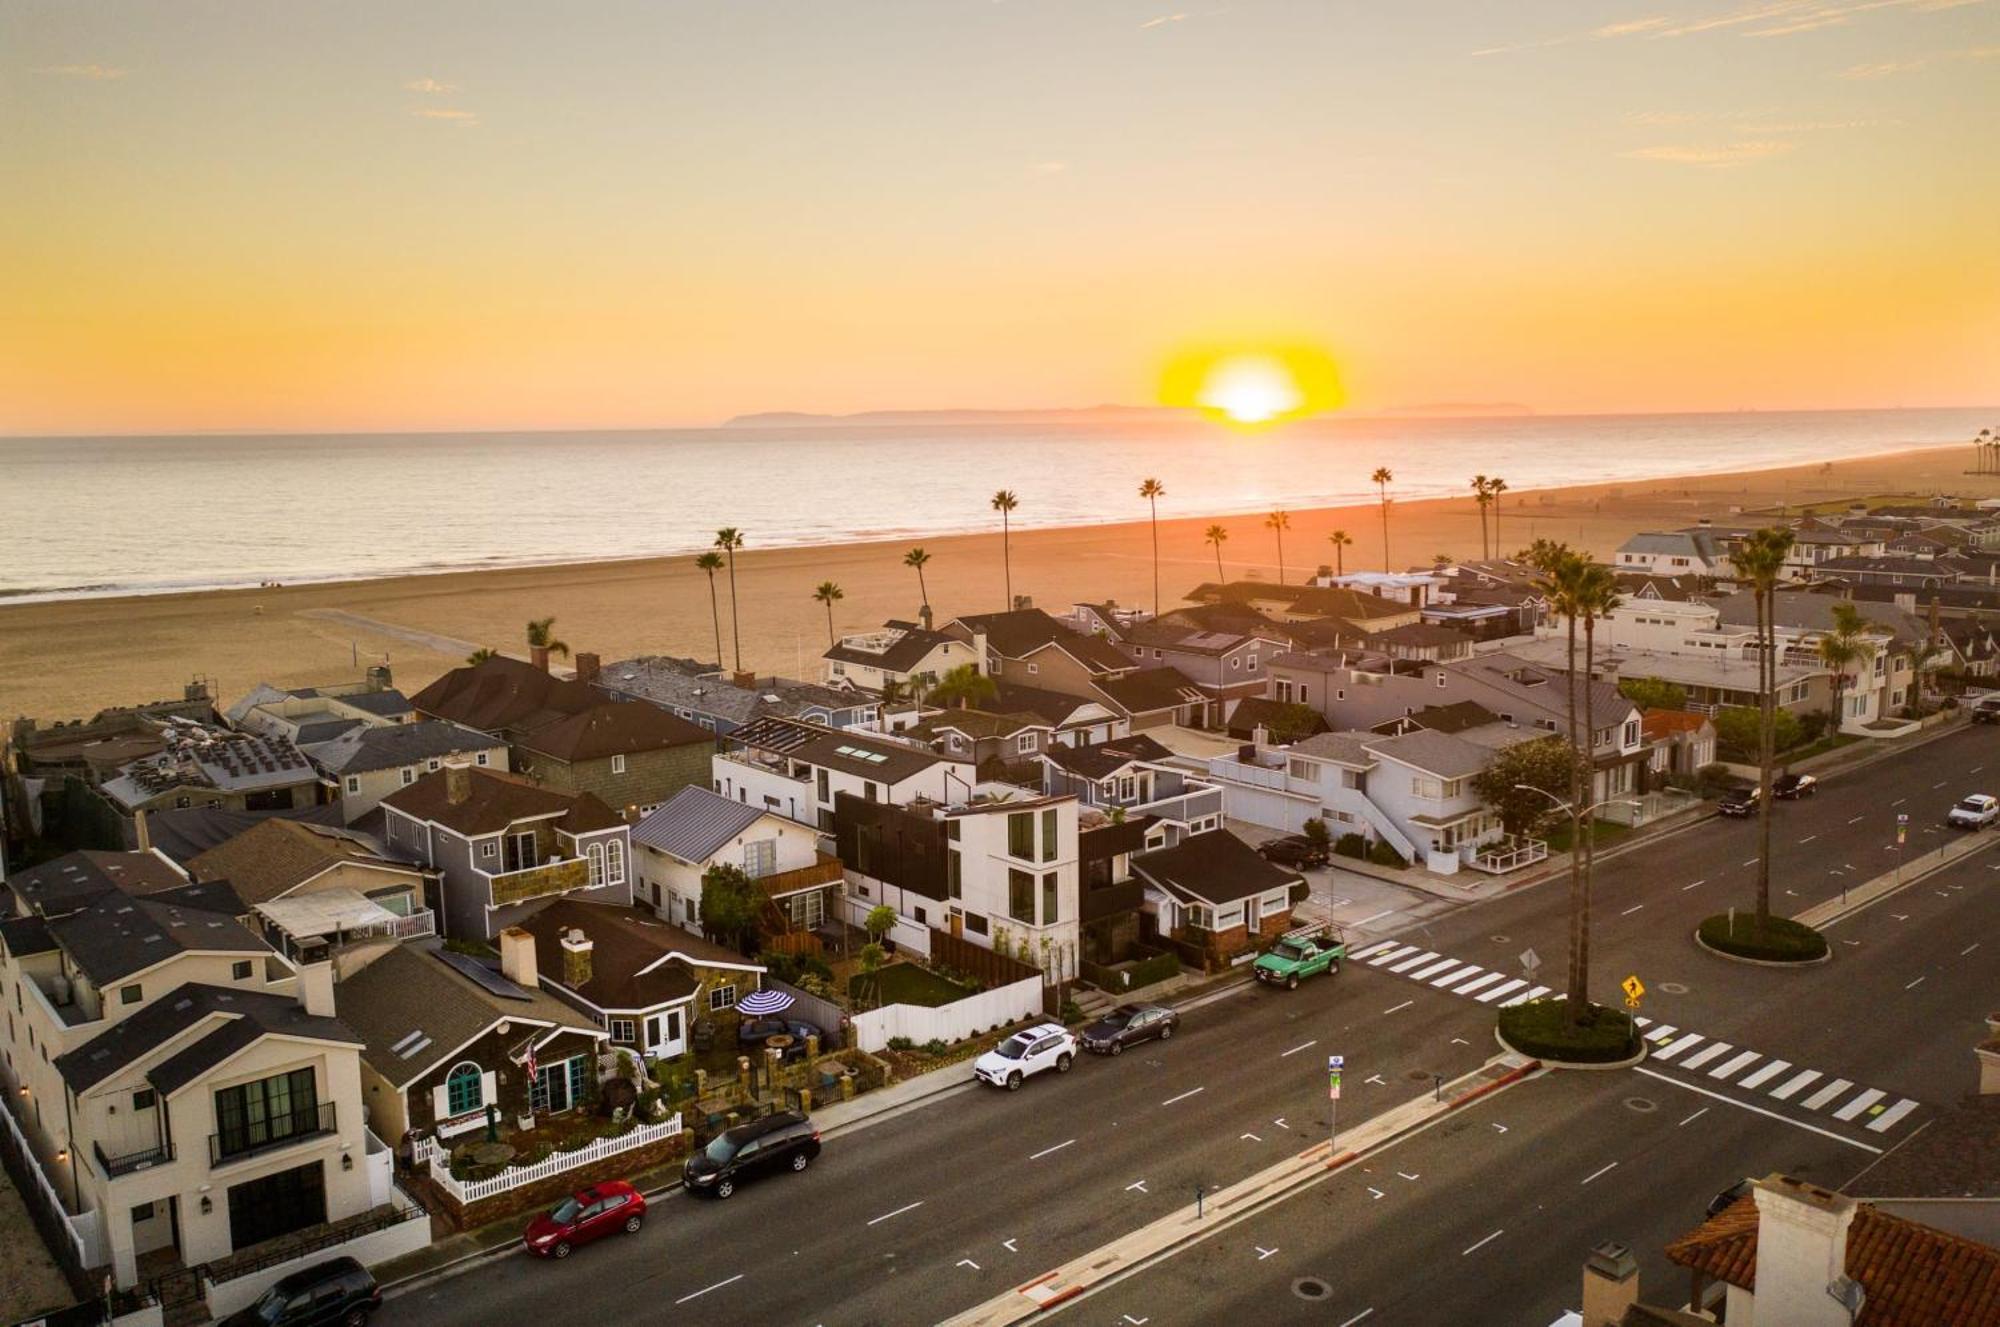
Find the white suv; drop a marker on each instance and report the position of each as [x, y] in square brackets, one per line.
[1026, 1053]
[1974, 812]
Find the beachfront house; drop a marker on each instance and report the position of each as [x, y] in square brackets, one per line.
[1225, 666]
[796, 770]
[1701, 550]
[1074, 718]
[720, 702]
[1354, 610]
[698, 830]
[501, 846]
[306, 716]
[1877, 685]
[1028, 646]
[909, 656]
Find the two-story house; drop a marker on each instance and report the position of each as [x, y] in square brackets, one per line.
[796, 769]
[1216, 897]
[1028, 646]
[500, 845]
[199, 766]
[1131, 777]
[1225, 666]
[366, 763]
[1350, 610]
[698, 830]
[307, 716]
[1701, 550]
[993, 742]
[910, 656]
[717, 702]
[1074, 718]
[1876, 685]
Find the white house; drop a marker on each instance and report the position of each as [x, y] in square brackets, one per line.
[698, 829]
[795, 769]
[905, 653]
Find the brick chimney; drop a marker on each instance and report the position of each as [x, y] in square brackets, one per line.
[576, 959]
[1801, 1251]
[924, 615]
[747, 681]
[538, 655]
[316, 988]
[1610, 1284]
[587, 667]
[457, 784]
[517, 957]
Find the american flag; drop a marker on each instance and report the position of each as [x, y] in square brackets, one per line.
[533, 1071]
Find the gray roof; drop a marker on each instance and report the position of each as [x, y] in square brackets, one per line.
[1342, 748]
[390, 704]
[694, 824]
[119, 935]
[1101, 760]
[371, 748]
[324, 730]
[1436, 753]
[687, 684]
[242, 1017]
[865, 754]
[1801, 611]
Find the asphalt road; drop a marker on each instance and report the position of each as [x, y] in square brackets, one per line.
[915, 1218]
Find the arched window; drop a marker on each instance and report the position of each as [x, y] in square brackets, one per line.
[465, 1089]
[614, 862]
[594, 854]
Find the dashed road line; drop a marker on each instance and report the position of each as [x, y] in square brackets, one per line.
[717, 1286]
[1913, 985]
[1184, 1096]
[1629, 911]
[1049, 1151]
[1600, 1171]
[1302, 1046]
[886, 1215]
[1483, 1243]
[1696, 885]
[1399, 1008]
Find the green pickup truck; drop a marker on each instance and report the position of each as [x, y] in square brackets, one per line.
[1305, 952]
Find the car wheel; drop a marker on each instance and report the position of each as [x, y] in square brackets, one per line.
[1166, 1032]
[1292, 982]
[725, 1188]
[633, 1222]
[560, 1251]
[1062, 1063]
[800, 1161]
[1117, 1048]
[1014, 1081]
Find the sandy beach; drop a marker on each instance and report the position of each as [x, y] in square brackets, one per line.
[66, 659]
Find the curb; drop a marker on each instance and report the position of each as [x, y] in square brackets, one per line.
[1512, 1049]
[1827, 957]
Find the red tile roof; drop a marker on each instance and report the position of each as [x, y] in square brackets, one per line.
[1667, 723]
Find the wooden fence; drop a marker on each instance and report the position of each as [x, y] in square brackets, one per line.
[989, 965]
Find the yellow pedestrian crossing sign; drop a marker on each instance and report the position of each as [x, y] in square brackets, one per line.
[1635, 990]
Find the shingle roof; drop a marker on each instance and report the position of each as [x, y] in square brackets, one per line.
[1215, 868]
[77, 879]
[1149, 691]
[502, 693]
[612, 728]
[1436, 753]
[391, 746]
[902, 654]
[186, 834]
[1342, 748]
[1252, 711]
[694, 824]
[700, 688]
[1659, 724]
[1101, 759]
[1455, 717]
[274, 857]
[1019, 633]
[387, 704]
[978, 723]
[1056, 707]
[26, 935]
[852, 753]
[495, 801]
[241, 1018]
[627, 946]
[1801, 611]
[1421, 634]
[1914, 1276]
[1325, 601]
[119, 935]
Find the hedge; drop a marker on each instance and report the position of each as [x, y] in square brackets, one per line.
[1540, 1028]
[1779, 940]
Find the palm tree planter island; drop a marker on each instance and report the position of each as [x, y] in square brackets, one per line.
[1543, 1030]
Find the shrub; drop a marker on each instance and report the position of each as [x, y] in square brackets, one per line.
[1780, 940]
[1316, 833]
[782, 966]
[1382, 854]
[1541, 1028]
[1157, 968]
[1072, 1012]
[1351, 845]
[812, 965]
[900, 1043]
[934, 1046]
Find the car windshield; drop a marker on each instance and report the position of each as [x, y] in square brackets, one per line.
[566, 1213]
[720, 1149]
[1117, 1019]
[1972, 804]
[271, 1307]
[1012, 1049]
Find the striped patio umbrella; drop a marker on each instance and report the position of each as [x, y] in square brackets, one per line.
[760, 1003]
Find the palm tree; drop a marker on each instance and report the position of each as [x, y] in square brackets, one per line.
[1758, 560]
[1216, 536]
[1382, 479]
[729, 539]
[1482, 497]
[1596, 595]
[1560, 586]
[711, 562]
[481, 655]
[1152, 490]
[1838, 650]
[916, 558]
[1004, 502]
[1277, 523]
[1341, 541]
[966, 686]
[892, 690]
[829, 594]
[1496, 487]
[541, 636]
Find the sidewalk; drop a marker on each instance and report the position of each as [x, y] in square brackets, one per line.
[1822, 915]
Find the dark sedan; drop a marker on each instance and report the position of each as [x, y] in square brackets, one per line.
[1129, 1025]
[1293, 850]
[1788, 786]
[1738, 802]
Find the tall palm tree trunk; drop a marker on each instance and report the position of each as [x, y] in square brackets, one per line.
[715, 612]
[735, 622]
[1007, 559]
[1385, 530]
[1574, 1013]
[1154, 503]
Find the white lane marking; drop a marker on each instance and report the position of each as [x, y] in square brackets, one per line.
[1826, 1094]
[1968, 949]
[1048, 1151]
[1669, 1052]
[1751, 862]
[1408, 1176]
[1453, 978]
[1399, 1008]
[1251, 1136]
[717, 1286]
[1709, 1052]
[1899, 801]
[1263, 1253]
[1790, 1089]
[1417, 962]
[1183, 1096]
[1913, 985]
[1303, 1046]
[967, 1262]
[1859, 1104]
[1939, 784]
[1472, 986]
[1514, 985]
[1756, 1110]
[1140, 1185]
[1629, 911]
[1697, 1115]
[1661, 1033]
[1376, 1192]
[1601, 1170]
[1642, 1020]
[898, 1212]
[1374, 949]
[1483, 1243]
[1807, 839]
[1734, 1065]
[1525, 996]
[1377, 917]
[1425, 974]
[1391, 956]
[1696, 885]
[1358, 1317]
[1975, 769]
[1766, 1074]
[1008, 1244]
[1377, 1080]
[1889, 1118]
[1857, 820]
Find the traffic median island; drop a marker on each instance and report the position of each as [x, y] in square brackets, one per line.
[1543, 1029]
[1775, 940]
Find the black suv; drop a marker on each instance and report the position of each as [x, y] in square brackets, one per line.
[784, 1140]
[338, 1291]
[1293, 850]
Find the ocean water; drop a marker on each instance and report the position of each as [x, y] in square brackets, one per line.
[98, 516]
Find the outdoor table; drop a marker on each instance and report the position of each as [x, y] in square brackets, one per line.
[490, 1154]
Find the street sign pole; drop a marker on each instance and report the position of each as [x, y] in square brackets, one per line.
[1334, 1064]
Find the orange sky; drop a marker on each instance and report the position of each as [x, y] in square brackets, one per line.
[505, 216]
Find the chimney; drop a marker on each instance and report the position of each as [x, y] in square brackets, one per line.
[316, 988]
[538, 655]
[517, 958]
[1801, 1251]
[924, 614]
[586, 667]
[1989, 1058]
[457, 784]
[1610, 1284]
[746, 681]
[380, 678]
[576, 959]
[145, 836]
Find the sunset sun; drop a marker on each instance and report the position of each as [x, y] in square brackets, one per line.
[1253, 388]
[1250, 389]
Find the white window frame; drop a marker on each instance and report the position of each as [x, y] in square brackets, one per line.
[409, 776]
[354, 783]
[618, 764]
[721, 996]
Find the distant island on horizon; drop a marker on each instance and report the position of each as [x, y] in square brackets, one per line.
[1076, 414]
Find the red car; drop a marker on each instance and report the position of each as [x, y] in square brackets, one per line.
[582, 1217]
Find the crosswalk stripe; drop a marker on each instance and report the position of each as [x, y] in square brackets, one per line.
[1498, 991]
[1391, 956]
[1661, 1033]
[1406, 964]
[1525, 996]
[1475, 984]
[1889, 1118]
[1425, 974]
[1859, 1104]
[1707, 1053]
[1669, 1052]
[1826, 1094]
[1766, 1074]
[1733, 1065]
[1791, 1088]
[1642, 1020]
[1375, 949]
[1453, 978]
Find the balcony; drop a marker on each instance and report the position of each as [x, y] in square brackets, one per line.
[826, 871]
[1198, 801]
[157, 1155]
[267, 1135]
[764, 762]
[533, 882]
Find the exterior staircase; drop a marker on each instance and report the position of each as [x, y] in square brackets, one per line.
[1094, 1003]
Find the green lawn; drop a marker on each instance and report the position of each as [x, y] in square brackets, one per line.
[906, 983]
[1602, 833]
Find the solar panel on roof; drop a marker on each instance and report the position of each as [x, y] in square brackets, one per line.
[487, 979]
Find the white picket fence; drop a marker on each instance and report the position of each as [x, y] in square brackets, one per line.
[438, 1162]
